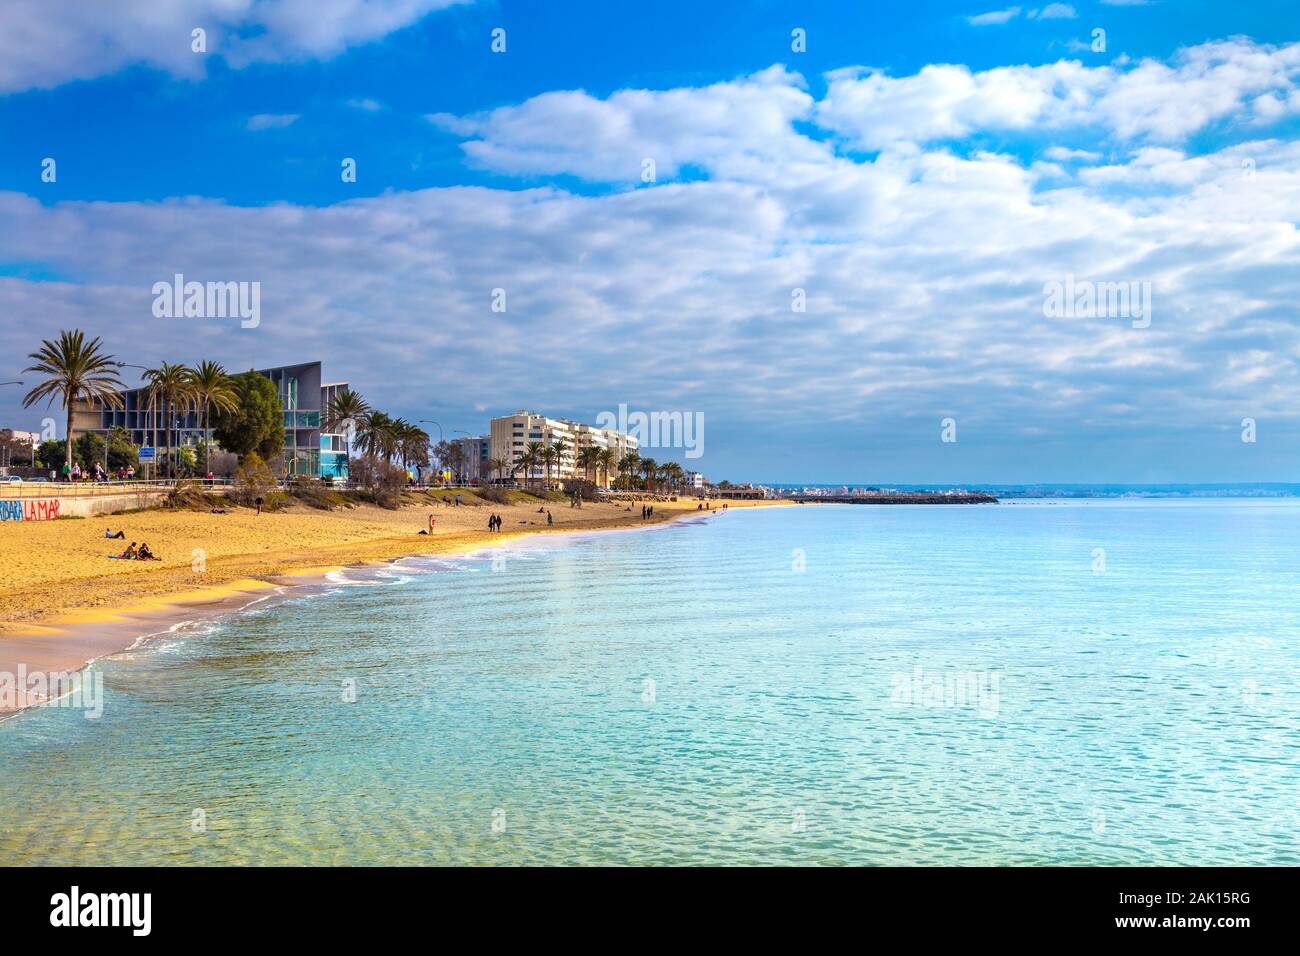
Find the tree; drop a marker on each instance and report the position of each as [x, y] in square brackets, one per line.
[412, 444]
[169, 384]
[343, 415]
[88, 449]
[376, 434]
[605, 461]
[548, 456]
[51, 452]
[212, 391]
[649, 468]
[528, 459]
[122, 453]
[673, 473]
[588, 457]
[256, 424]
[560, 446]
[628, 466]
[495, 466]
[76, 371]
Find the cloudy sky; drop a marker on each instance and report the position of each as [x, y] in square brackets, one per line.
[656, 188]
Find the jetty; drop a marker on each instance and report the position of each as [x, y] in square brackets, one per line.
[902, 498]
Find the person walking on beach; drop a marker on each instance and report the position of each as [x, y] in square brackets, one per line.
[550, 520]
[431, 521]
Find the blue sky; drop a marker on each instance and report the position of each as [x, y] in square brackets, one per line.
[919, 172]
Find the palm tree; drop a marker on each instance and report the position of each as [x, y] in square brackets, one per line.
[170, 384]
[411, 442]
[605, 461]
[529, 458]
[212, 391]
[535, 448]
[342, 416]
[375, 434]
[673, 472]
[548, 456]
[628, 465]
[649, 468]
[77, 372]
[588, 457]
[561, 446]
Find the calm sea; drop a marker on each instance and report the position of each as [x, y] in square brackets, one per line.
[1108, 682]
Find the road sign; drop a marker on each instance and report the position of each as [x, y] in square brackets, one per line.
[146, 454]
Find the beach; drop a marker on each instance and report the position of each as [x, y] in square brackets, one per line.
[64, 602]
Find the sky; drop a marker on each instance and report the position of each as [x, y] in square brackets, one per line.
[830, 231]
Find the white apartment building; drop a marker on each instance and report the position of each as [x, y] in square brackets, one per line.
[693, 480]
[511, 435]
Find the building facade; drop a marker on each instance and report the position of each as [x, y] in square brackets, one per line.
[511, 434]
[309, 451]
[477, 451]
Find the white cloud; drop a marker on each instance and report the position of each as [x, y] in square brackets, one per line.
[923, 271]
[1053, 11]
[271, 121]
[923, 267]
[732, 129]
[44, 43]
[1150, 99]
[366, 104]
[1064, 155]
[994, 17]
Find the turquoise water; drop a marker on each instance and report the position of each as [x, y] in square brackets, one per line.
[687, 694]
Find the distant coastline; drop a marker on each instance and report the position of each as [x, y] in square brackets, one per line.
[1048, 490]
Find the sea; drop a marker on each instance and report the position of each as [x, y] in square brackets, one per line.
[1095, 681]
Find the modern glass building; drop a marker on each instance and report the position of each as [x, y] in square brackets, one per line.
[308, 450]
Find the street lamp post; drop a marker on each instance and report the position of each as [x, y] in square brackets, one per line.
[153, 423]
[461, 431]
[430, 421]
[8, 452]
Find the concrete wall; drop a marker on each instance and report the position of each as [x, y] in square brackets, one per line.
[47, 509]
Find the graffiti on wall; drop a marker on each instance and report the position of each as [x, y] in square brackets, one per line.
[38, 509]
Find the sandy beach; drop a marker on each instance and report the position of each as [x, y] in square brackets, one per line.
[64, 602]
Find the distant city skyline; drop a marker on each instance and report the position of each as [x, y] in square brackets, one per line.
[945, 243]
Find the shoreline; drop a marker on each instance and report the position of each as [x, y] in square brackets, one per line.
[71, 638]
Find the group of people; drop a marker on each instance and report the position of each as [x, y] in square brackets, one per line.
[494, 523]
[647, 511]
[75, 473]
[142, 553]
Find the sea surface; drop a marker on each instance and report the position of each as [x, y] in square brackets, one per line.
[1049, 682]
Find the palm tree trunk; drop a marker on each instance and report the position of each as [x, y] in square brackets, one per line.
[68, 432]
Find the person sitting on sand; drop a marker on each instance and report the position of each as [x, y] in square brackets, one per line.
[110, 534]
[129, 552]
[145, 554]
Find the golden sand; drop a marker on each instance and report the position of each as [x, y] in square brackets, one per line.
[64, 602]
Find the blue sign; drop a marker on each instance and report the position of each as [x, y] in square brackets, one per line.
[146, 454]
